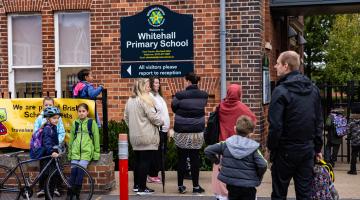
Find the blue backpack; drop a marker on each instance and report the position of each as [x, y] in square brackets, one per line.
[36, 144]
[340, 124]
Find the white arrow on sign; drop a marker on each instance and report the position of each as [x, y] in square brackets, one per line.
[129, 70]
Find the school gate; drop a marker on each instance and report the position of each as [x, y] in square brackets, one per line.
[333, 95]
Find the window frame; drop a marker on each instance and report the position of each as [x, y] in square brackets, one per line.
[11, 66]
[58, 66]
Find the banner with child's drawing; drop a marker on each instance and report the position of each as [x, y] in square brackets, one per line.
[17, 117]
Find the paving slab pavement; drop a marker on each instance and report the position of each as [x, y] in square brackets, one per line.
[348, 186]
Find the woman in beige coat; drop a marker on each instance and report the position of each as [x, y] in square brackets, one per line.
[143, 122]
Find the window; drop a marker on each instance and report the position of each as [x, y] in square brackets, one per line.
[72, 43]
[25, 54]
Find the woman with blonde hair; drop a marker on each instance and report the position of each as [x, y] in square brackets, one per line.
[143, 121]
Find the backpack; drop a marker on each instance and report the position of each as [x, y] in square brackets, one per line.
[323, 182]
[89, 127]
[36, 148]
[340, 124]
[79, 90]
[212, 130]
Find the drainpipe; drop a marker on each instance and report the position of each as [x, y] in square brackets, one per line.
[222, 49]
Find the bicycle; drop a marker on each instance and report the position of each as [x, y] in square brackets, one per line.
[12, 188]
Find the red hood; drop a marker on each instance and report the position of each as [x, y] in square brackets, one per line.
[232, 108]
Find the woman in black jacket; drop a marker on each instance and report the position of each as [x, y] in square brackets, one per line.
[189, 108]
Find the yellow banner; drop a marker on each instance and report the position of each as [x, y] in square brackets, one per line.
[17, 117]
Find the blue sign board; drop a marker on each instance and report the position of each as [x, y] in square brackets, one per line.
[159, 69]
[157, 37]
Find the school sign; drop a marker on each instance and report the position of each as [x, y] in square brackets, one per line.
[156, 42]
[17, 117]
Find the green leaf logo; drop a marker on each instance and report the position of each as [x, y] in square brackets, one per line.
[156, 17]
[3, 115]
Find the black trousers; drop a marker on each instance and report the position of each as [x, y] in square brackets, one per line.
[292, 164]
[194, 162]
[157, 161]
[42, 179]
[241, 193]
[331, 152]
[354, 156]
[143, 160]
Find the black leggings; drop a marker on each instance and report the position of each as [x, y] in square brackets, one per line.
[143, 160]
[194, 156]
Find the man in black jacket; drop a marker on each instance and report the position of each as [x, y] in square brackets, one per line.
[295, 129]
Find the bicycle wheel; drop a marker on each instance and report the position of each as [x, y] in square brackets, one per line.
[62, 183]
[10, 187]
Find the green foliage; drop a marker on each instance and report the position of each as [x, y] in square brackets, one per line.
[343, 50]
[317, 29]
[114, 129]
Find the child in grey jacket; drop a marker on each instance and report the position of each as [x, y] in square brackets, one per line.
[242, 164]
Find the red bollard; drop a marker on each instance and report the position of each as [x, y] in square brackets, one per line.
[123, 167]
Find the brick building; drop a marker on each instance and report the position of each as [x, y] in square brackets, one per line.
[45, 42]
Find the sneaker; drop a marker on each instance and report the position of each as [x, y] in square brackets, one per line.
[352, 172]
[56, 192]
[182, 189]
[153, 179]
[146, 191]
[198, 190]
[40, 193]
[135, 188]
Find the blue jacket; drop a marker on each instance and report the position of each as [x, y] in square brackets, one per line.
[189, 108]
[242, 164]
[86, 90]
[40, 120]
[50, 138]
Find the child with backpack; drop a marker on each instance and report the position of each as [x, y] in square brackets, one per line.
[336, 125]
[44, 143]
[242, 164]
[40, 122]
[354, 136]
[84, 146]
[84, 88]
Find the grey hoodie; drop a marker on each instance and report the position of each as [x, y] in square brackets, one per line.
[242, 164]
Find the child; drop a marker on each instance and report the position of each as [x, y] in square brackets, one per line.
[85, 89]
[242, 164]
[50, 140]
[84, 146]
[333, 141]
[354, 136]
[39, 122]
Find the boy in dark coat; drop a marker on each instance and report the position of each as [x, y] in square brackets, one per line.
[333, 141]
[242, 164]
[354, 136]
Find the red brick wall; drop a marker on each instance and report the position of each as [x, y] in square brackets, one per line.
[248, 23]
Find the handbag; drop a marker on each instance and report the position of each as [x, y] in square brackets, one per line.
[212, 130]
